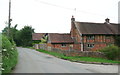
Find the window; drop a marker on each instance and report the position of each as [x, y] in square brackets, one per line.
[90, 45]
[107, 37]
[63, 45]
[90, 37]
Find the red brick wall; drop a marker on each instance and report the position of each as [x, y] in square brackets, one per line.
[59, 46]
[77, 35]
[77, 47]
[49, 44]
[76, 39]
[96, 47]
[99, 42]
[72, 28]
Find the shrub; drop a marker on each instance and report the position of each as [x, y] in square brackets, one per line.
[111, 52]
[117, 40]
[9, 55]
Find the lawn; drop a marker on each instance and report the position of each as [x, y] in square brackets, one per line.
[78, 58]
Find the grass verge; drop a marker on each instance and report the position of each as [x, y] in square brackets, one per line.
[78, 58]
[29, 47]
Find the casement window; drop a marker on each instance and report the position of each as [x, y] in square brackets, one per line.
[91, 37]
[63, 45]
[90, 45]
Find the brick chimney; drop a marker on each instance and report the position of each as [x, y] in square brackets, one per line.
[72, 27]
[107, 21]
[72, 19]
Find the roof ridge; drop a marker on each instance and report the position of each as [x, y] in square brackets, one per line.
[89, 22]
[96, 23]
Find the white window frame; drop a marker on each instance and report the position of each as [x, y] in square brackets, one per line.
[63, 45]
[90, 45]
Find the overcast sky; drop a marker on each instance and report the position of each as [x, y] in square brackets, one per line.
[54, 16]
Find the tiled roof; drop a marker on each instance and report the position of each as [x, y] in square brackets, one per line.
[37, 36]
[96, 28]
[60, 38]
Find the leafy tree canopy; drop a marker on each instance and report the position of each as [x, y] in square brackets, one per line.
[21, 37]
[26, 35]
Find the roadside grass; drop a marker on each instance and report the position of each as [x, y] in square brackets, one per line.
[78, 58]
[29, 47]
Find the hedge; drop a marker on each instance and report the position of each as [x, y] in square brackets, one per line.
[9, 55]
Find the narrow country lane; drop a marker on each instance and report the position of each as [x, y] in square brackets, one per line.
[31, 61]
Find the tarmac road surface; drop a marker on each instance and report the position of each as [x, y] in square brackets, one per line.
[31, 61]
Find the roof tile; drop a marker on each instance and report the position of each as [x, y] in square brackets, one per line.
[60, 38]
[96, 28]
[37, 36]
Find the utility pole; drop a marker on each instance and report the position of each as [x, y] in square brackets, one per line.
[9, 19]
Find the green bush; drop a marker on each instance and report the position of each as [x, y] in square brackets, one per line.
[111, 52]
[117, 40]
[9, 55]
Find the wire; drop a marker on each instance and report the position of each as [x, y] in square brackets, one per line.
[53, 5]
[73, 9]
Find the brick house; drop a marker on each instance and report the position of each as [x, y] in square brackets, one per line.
[83, 36]
[60, 41]
[93, 36]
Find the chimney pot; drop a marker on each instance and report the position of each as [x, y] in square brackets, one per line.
[107, 21]
[72, 19]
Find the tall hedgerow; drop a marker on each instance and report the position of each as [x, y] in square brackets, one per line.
[9, 55]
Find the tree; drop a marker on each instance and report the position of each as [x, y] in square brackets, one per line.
[17, 38]
[12, 32]
[21, 37]
[25, 36]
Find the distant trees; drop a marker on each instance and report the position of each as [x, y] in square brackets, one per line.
[21, 37]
